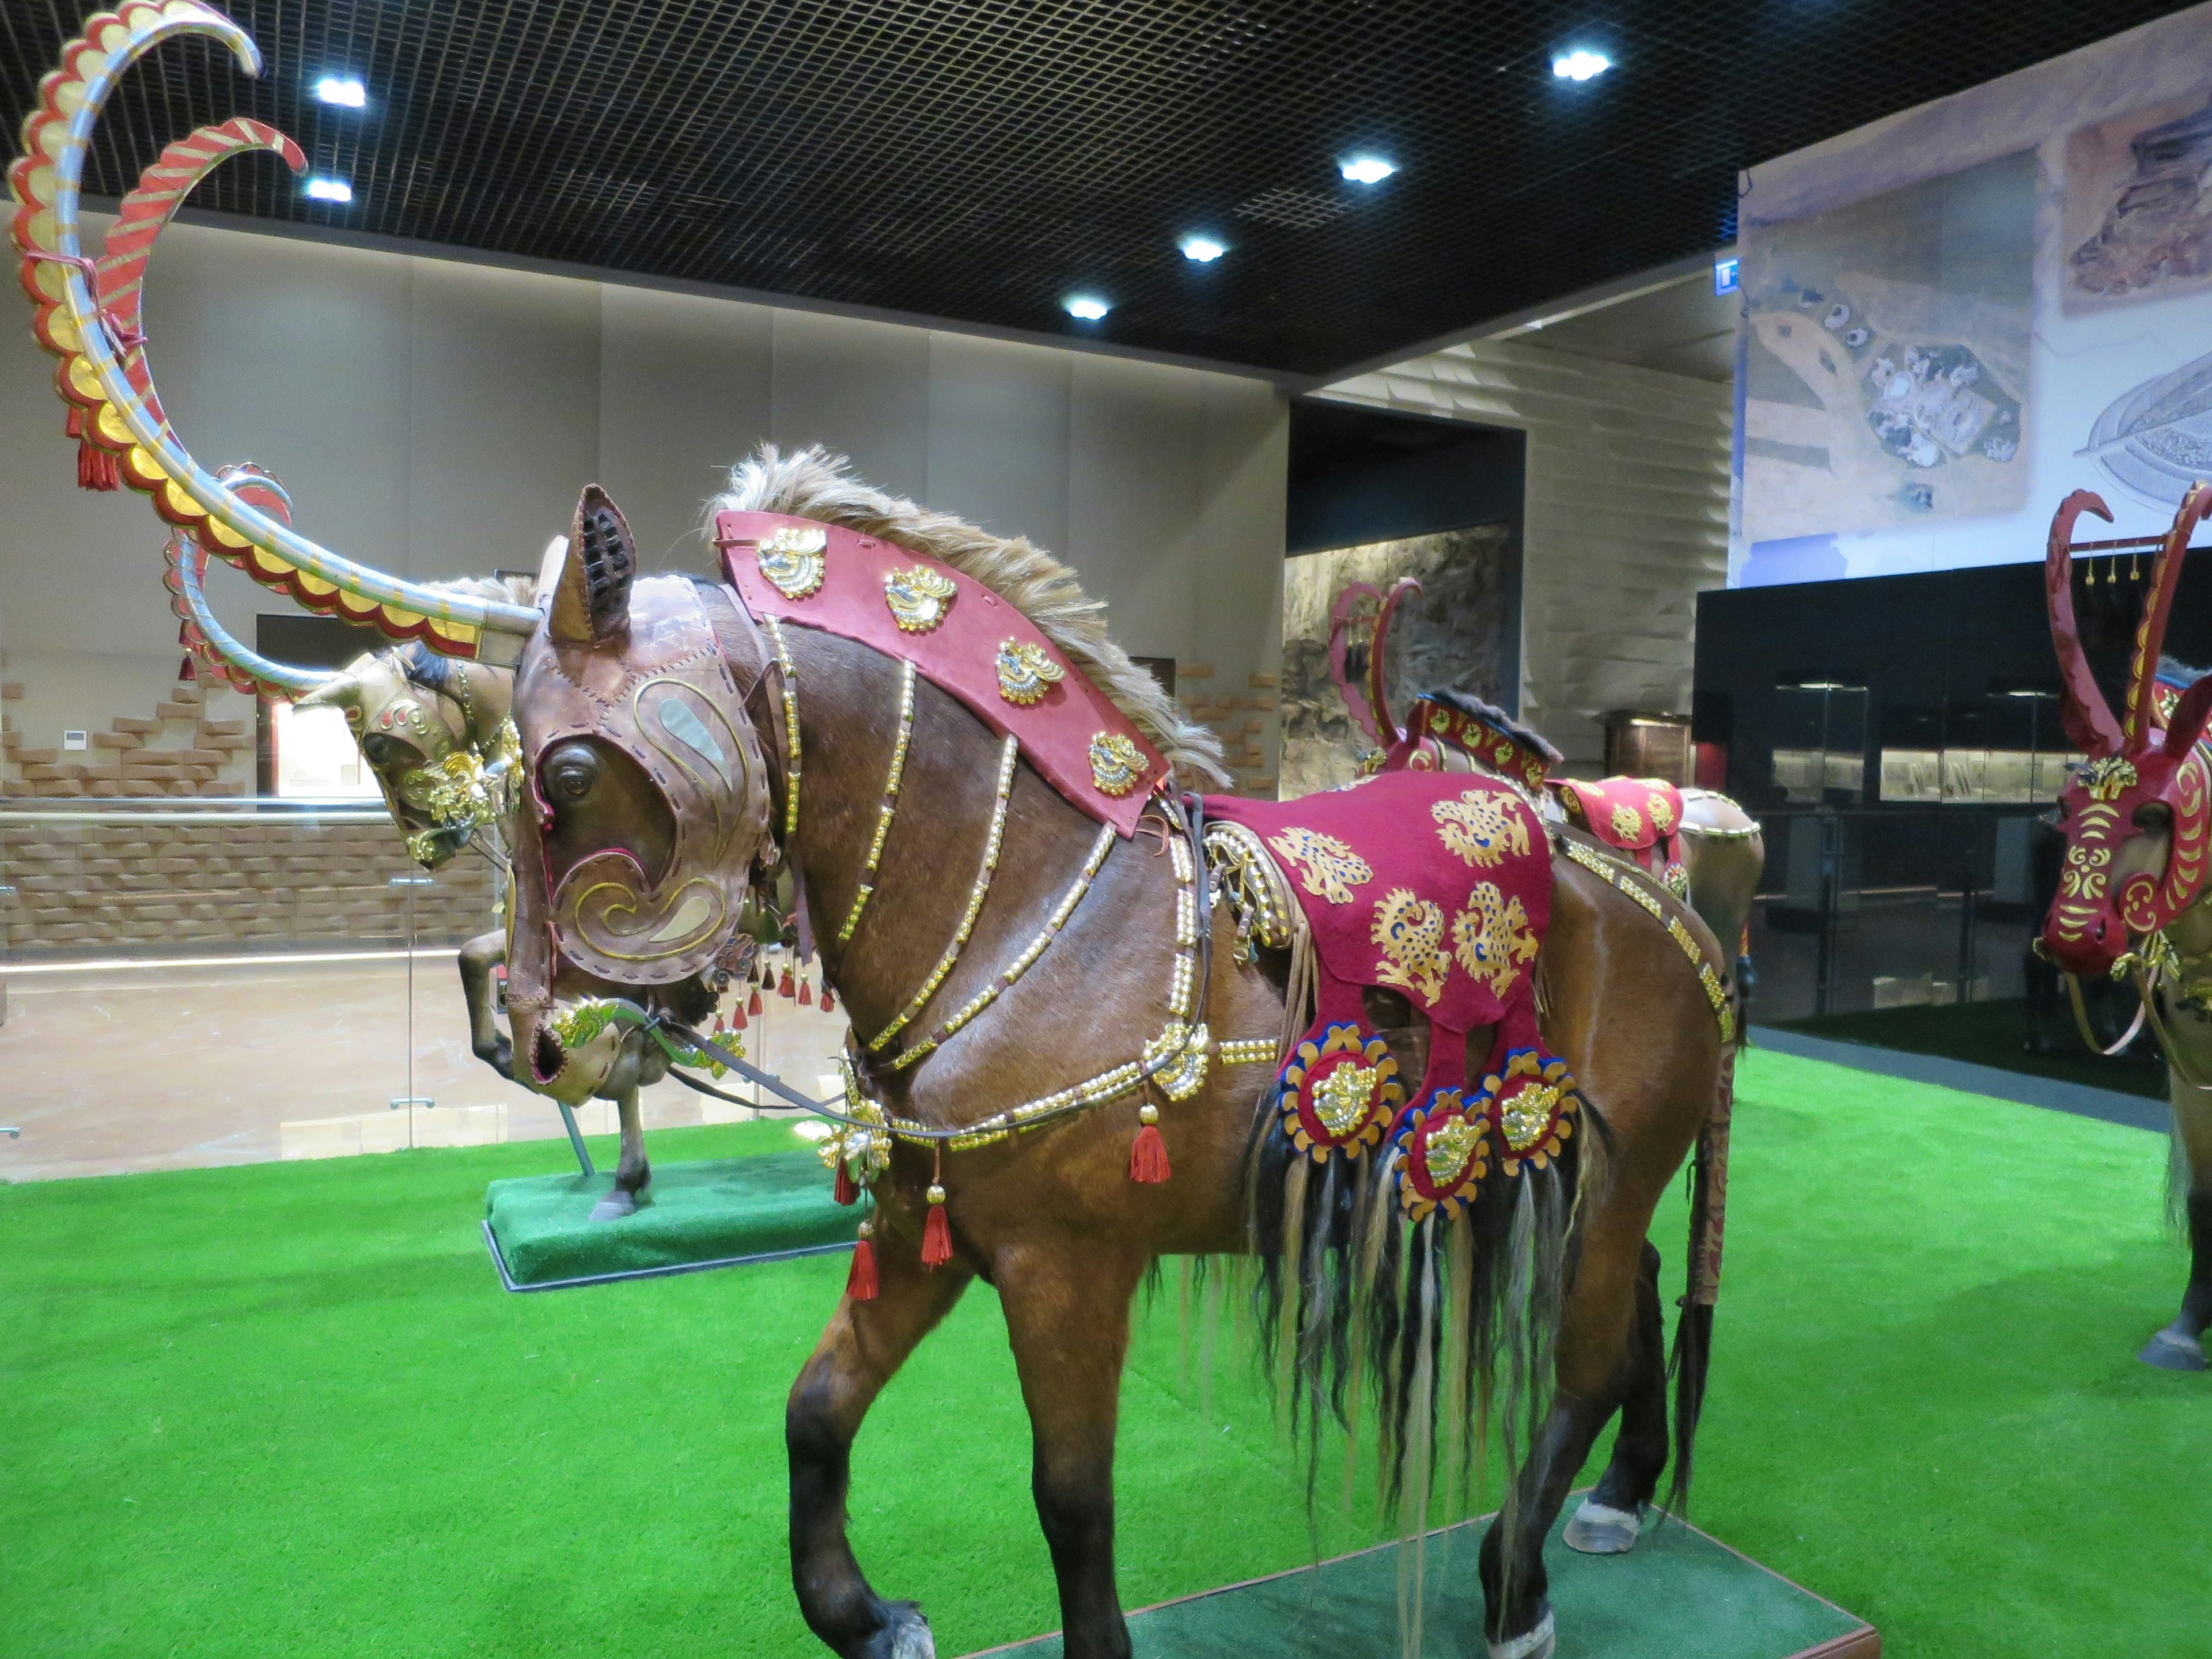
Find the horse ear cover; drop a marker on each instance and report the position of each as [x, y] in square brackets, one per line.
[591, 601]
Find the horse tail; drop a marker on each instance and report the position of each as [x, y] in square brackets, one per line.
[1692, 1357]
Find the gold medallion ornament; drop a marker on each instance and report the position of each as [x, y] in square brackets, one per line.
[2107, 776]
[1116, 764]
[1492, 939]
[1327, 867]
[919, 598]
[1531, 1103]
[1628, 821]
[1339, 1094]
[1443, 1151]
[793, 560]
[1026, 672]
[1176, 1060]
[1410, 932]
[1481, 826]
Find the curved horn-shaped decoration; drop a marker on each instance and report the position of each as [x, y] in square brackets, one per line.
[1378, 679]
[224, 655]
[103, 366]
[2081, 707]
[1339, 621]
[2141, 722]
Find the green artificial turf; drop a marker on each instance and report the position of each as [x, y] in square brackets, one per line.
[287, 1409]
[1994, 1034]
[718, 1210]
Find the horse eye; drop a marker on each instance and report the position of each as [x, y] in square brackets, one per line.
[2154, 815]
[573, 782]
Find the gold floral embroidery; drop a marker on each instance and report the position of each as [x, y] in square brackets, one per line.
[1482, 826]
[1661, 814]
[1492, 938]
[1327, 867]
[1628, 821]
[1411, 932]
[919, 598]
[2107, 776]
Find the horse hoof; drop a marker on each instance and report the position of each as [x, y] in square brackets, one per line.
[2170, 1350]
[1600, 1529]
[614, 1207]
[1538, 1644]
[907, 1636]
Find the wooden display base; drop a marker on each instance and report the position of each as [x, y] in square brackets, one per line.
[1679, 1592]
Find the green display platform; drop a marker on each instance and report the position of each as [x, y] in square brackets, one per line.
[1679, 1593]
[699, 1215]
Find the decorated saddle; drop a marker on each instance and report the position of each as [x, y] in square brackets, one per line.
[1639, 817]
[1438, 885]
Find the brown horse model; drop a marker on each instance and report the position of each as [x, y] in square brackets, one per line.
[1053, 1017]
[1051, 1216]
[2132, 899]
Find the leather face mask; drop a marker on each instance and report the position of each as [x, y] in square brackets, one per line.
[2148, 758]
[645, 669]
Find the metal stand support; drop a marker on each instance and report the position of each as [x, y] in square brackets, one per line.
[411, 885]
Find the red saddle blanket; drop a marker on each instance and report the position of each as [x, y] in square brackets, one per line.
[1438, 886]
[1642, 816]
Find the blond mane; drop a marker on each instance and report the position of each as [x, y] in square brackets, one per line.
[814, 484]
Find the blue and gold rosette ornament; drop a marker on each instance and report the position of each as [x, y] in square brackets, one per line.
[1444, 1153]
[1339, 1094]
[1531, 1104]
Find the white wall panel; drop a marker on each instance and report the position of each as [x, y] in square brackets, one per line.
[999, 435]
[504, 422]
[1625, 520]
[1134, 494]
[684, 387]
[859, 387]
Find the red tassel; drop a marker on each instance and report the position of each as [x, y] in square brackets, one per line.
[718, 1027]
[1148, 1158]
[737, 1019]
[753, 1005]
[936, 1238]
[186, 671]
[805, 995]
[828, 1006]
[95, 468]
[861, 1283]
[787, 989]
[846, 1192]
[75, 424]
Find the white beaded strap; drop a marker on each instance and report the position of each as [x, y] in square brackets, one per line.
[1010, 753]
[888, 805]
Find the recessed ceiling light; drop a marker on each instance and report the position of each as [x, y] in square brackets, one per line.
[1580, 64]
[1086, 308]
[329, 190]
[1367, 169]
[1202, 250]
[344, 90]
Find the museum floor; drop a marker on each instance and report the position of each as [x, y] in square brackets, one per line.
[131, 1068]
[286, 1408]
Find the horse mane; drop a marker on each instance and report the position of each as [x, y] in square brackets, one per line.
[1527, 736]
[814, 483]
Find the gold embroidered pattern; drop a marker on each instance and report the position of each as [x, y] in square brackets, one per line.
[919, 598]
[2106, 776]
[1481, 826]
[1327, 867]
[1492, 938]
[1026, 672]
[1661, 814]
[791, 560]
[1411, 932]
[1628, 821]
[1116, 763]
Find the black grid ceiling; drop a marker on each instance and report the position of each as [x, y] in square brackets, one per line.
[980, 161]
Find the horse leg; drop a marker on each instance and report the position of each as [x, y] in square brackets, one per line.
[1613, 1514]
[1067, 1316]
[865, 1343]
[632, 1173]
[1518, 1620]
[2179, 1346]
